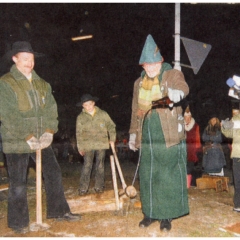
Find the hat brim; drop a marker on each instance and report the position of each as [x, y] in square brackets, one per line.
[94, 99]
[8, 55]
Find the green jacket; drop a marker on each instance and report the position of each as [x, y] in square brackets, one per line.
[233, 133]
[26, 109]
[94, 132]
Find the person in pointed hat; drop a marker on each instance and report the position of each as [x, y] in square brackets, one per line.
[193, 142]
[159, 135]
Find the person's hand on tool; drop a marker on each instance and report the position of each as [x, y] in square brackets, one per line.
[46, 139]
[82, 153]
[112, 144]
[33, 143]
[132, 142]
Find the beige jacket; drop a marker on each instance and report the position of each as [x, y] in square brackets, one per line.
[234, 133]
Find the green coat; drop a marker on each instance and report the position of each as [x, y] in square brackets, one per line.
[94, 132]
[26, 109]
[162, 173]
[163, 158]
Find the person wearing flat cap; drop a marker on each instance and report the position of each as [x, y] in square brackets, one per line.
[29, 115]
[95, 130]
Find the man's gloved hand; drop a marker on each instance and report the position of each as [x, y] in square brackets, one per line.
[46, 139]
[175, 95]
[33, 143]
[132, 142]
[226, 124]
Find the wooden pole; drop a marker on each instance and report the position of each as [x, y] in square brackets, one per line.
[124, 185]
[39, 225]
[114, 181]
[39, 186]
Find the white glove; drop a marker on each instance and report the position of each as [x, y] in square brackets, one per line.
[236, 80]
[180, 127]
[132, 142]
[33, 143]
[226, 124]
[46, 139]
[175, 95]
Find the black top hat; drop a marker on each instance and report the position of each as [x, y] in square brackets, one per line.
[22, 46]
[85, 98]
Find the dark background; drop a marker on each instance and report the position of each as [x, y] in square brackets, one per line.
[106, 66]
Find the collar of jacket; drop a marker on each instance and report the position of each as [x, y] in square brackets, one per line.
[190, 125]
[236, 117]
[96, 110]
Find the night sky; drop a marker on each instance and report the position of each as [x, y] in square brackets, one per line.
[106, 66]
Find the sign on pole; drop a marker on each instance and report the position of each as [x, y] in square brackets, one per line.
[196, 51]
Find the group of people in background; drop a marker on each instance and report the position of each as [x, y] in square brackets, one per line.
[167, 139]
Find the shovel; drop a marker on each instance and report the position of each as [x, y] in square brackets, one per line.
[130, 190]
[39, 225]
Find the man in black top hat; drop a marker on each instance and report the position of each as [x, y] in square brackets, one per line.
[95, 130]
[29, 115]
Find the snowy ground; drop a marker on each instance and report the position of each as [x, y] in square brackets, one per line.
[209, 210]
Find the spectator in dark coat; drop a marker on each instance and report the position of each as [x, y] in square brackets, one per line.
[213, 156]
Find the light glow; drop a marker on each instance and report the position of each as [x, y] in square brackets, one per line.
[81, 37]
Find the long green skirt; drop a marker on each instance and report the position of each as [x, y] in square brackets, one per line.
[162, 173]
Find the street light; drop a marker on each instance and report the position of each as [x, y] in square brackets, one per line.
[81, 37]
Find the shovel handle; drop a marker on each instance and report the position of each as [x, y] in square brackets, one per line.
[114, 182]
[118, 167]
[39, 186]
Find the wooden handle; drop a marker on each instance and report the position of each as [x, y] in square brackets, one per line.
[39, 186]
[114, 182]
[119, 168]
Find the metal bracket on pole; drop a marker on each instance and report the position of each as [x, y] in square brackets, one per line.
[196, 51]
[184, 65]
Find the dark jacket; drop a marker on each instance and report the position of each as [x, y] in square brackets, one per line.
[26, 109]
[213, 156]
[94, 132]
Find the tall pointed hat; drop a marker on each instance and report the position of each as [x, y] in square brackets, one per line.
[150, 52]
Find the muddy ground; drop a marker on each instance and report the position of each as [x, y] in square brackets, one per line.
[209, 210]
